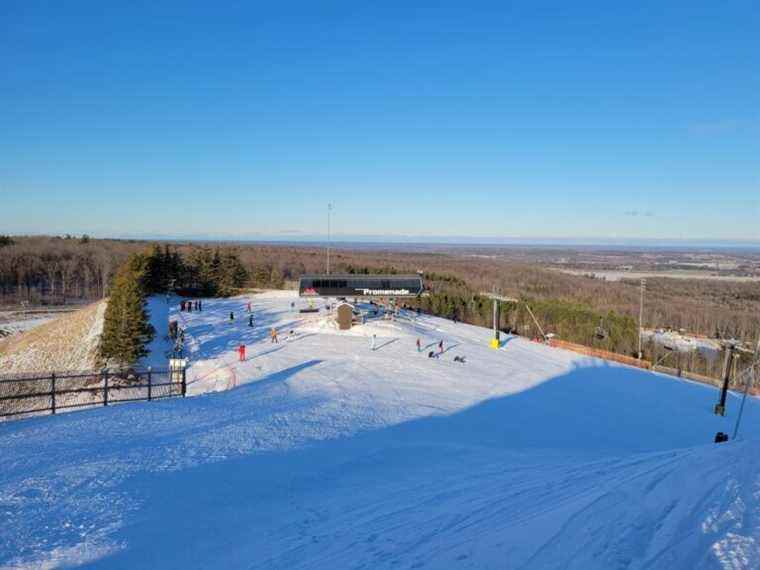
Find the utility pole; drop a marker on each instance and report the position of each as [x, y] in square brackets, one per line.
[641, 313]
[329, 211]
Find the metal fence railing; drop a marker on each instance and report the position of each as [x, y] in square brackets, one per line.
[32, 394]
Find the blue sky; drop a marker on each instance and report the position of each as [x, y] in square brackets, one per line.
[586, 120]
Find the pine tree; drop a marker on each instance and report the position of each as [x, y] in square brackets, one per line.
[155, 276]
[126, 328]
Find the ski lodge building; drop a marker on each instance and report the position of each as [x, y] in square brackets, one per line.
[360, 286]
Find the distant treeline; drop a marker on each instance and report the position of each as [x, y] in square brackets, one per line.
[59, 269]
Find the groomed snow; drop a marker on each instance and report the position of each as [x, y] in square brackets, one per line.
[319, 452]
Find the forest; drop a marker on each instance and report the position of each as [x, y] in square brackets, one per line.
[55, 270]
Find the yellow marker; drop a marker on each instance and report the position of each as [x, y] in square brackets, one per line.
[495, 343]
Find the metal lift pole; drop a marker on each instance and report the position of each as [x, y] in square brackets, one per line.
[496, 342]
[535, 320]
[750, 380]
[720, 407]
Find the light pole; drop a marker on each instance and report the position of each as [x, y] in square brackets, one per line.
[329, 211]
[641, 312]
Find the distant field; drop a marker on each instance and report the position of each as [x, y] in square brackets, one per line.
[617, 275]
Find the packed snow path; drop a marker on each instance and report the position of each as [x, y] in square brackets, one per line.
[319, 452]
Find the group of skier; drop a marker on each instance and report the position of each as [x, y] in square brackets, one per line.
[440, 346]
[190, 305]
[274, 338]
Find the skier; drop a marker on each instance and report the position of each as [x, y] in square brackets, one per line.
[419, 345]
[241, 352]
[189, 306]
[182, 306]
[232, 316]
[274, 336]
[440, 347]
[200, 306]
[250, 321]
[374, 341]
[249, 307]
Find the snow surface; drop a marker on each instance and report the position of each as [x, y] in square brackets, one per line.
[68, 342]
[319, 452]
[16, 326]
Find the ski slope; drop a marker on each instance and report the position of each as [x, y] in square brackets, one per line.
[319, 452]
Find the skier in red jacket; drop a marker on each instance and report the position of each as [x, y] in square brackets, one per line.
[241, 352]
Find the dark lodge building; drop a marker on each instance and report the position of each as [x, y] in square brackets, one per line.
[360, 286]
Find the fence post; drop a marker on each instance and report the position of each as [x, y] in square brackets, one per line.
[52, 393]
[184, 382]
[105, 387]
[150, 385]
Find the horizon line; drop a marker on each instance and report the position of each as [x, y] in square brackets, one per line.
[412, 240]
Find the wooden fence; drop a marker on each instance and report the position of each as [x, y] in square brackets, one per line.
[598, 353]
[34, 394]
[736, 383]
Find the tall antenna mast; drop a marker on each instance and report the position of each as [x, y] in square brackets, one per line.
[329, 237]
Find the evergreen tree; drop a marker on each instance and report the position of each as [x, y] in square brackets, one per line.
[126, 328]
[155, 276]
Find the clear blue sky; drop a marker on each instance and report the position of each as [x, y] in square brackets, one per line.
[592, 120]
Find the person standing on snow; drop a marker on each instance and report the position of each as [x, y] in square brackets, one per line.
[374, 341]
[250, 321]
[241, 352]
[440, 347]
[232, 316]
[274, 336]
[419, 345]
[249, 307]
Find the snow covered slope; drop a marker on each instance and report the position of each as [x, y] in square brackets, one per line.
[319, 452]
[68, 342]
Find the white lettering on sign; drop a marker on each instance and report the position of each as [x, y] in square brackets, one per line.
[385, 292]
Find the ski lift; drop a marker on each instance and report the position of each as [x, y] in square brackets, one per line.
[601, 332]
